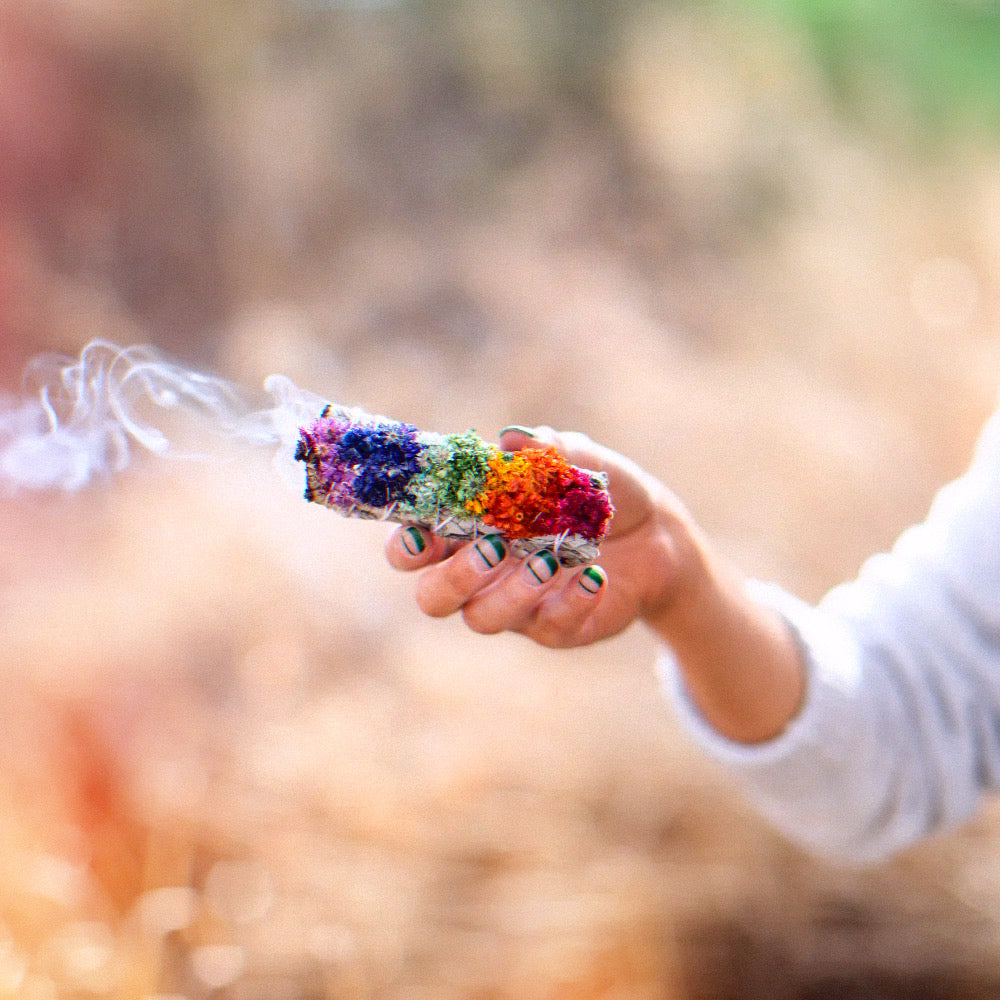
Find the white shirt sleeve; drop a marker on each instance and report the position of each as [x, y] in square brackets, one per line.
[900, 730]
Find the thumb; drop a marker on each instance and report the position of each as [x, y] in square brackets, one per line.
[632, 488]
[574, 447]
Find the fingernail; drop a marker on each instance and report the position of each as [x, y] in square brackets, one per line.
[518, 429]
[542, 566]
[592, 579]
[491, 550]
[414, 541]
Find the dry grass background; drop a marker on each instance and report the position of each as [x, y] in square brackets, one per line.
[237, 761]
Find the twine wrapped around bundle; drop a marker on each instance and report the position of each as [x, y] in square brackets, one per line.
[456, 485]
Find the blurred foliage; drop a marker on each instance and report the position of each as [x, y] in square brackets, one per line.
[938, 60]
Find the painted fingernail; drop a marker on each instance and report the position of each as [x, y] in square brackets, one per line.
[592, 579]
[542, 566]
[491, 550]
[414, 541]
[518, 429]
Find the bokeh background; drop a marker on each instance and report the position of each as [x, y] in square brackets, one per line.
[754, 246]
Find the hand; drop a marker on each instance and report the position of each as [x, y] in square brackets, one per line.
[641, 561]
[742, 665]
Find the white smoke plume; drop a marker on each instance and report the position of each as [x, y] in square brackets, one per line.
[82, 419]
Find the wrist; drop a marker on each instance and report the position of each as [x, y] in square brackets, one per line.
[741, 664]
[681, 581]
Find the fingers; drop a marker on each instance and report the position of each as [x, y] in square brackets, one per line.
[498, 593]
[567, 615]
[548, 604]
[445, 588]
[511, 602]
[411, 548]
[495, 592]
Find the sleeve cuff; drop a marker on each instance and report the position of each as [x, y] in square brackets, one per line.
[832, 669]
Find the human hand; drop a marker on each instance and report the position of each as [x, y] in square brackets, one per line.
[641, 561]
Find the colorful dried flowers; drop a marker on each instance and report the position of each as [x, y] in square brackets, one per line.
[364, 465]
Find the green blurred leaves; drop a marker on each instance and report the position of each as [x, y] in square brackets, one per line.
[936, 59]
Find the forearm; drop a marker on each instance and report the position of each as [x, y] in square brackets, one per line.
[741, 664]
[887, 731]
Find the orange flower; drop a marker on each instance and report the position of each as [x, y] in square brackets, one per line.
[522, 490]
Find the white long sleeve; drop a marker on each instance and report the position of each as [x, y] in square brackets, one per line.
[900, 731]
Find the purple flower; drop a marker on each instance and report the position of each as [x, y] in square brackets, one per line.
[370, 464]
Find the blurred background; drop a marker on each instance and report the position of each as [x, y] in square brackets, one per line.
[754, 246]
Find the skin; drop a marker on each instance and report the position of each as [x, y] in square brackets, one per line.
[741, 664]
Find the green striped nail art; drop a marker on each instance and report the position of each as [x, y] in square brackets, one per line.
[518, 429]
[592, 579]
[491, 550]
[543, 566]
[414, 541]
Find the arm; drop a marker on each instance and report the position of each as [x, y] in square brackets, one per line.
[740, 661]
[884, 729]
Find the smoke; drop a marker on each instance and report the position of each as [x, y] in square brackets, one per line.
[83, 419]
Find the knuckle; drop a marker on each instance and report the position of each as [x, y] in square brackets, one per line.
[433, 609]
[556, 625]
[479, 622]
[561, 636]
[435, 600]
[546, 638]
